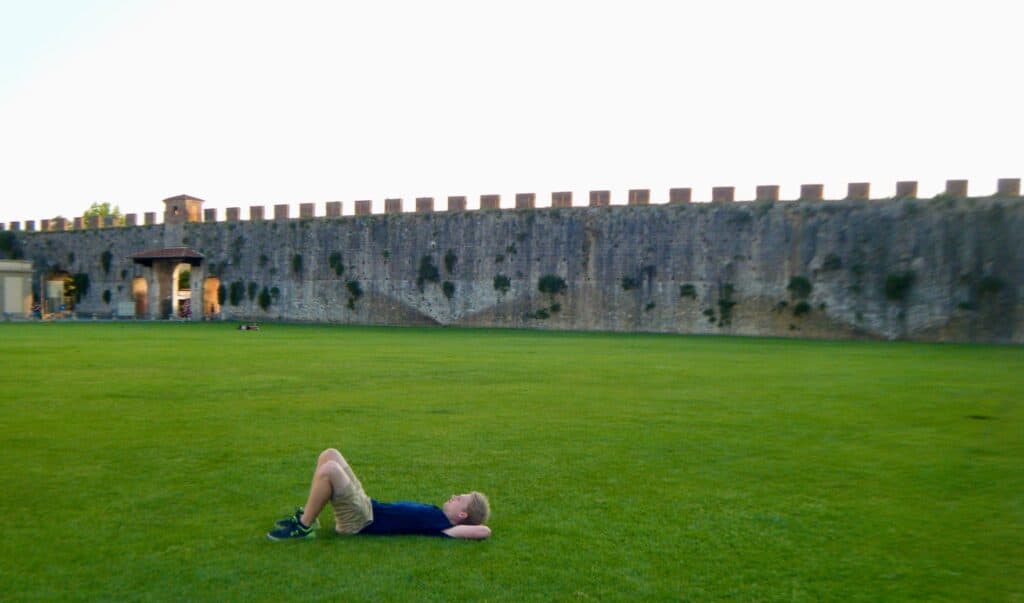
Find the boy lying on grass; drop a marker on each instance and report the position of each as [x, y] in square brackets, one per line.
[461, 516]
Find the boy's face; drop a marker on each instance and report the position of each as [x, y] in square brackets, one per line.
[456, 505]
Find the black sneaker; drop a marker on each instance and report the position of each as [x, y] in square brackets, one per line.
[292, 530]
[298, 515]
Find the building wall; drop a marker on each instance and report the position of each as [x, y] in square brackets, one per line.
[15, 288]
[940, 270]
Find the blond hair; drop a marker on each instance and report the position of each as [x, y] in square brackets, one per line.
[478, 510]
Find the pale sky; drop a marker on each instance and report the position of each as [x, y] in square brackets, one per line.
[255, 103]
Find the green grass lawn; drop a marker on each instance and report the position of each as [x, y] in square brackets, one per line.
[147, 461]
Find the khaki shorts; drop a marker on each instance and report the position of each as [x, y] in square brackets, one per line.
[352, 509]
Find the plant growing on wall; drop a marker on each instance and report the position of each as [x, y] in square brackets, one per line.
[355, 291]
[449, 261]
[297, 264]
[725, 304]
[428, 272]
[897, 286]
[237, 293]
[264, 299]
[688, 290]
[799, 287]
[253, 289]
[336, 264]
[222, 294]
[448, 288]
[105, 258]
[10, 248]
[106, 297]
[502, 283]
[552, 284]
[79, 286]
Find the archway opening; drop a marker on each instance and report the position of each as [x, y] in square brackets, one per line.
[140, 294]
[59, 296]
[181, 300]
[211, 298]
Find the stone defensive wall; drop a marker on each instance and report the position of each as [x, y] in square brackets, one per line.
[948, 268]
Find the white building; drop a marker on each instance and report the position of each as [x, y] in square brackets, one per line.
[15, 288]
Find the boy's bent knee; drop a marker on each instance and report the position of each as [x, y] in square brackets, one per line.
[332, 470]
[330, 454]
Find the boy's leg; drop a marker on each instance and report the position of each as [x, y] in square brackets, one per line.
[329, 477]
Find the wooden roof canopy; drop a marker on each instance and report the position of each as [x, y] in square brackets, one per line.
[182, 254]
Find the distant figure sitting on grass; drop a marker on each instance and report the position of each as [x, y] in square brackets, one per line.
[461, 516]
[249, 327]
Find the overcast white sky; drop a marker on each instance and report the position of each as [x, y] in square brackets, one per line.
[254, 103]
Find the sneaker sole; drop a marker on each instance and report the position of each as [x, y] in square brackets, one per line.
[306, 537]
[316, 523]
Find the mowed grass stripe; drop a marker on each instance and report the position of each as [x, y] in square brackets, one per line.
[146, 461]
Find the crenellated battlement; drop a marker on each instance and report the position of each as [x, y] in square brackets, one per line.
[186, 209]
[949, 268]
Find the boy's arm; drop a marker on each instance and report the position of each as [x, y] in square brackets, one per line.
[469, 532]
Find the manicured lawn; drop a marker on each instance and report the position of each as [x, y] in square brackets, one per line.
[146, 462]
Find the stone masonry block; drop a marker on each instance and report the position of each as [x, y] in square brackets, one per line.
[812, 192]
[210, 214]
[600, 198]
[561, 199]
[1008, 187]
[44, 225]
[281, 211]
[307, 210]
[457, 203]
[723, 194]
[490, 201]
[78, 224]
[639, 196]
[2, 226]
[680, 195]
[364, 207]
[233, 214]
[858, 191]
[767, 192]
[93, 222]
[956, 188]
[108, 221]
[256, 213]
[30, 225]
[906, 189]
[392, 206]
[525, 200]
[15, 226]
[129, 220]
[424, 205]
[333, 209]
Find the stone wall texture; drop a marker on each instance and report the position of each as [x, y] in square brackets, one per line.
[936, 270]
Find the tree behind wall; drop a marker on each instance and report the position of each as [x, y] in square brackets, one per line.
[102, 210]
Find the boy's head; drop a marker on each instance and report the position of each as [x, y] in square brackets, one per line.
[468, 509]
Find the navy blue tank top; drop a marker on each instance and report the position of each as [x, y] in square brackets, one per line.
[405, 517]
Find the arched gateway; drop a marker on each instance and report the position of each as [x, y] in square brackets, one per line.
[163, 266]
[162, 280]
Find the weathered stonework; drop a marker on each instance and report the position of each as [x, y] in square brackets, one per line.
[943, 270]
